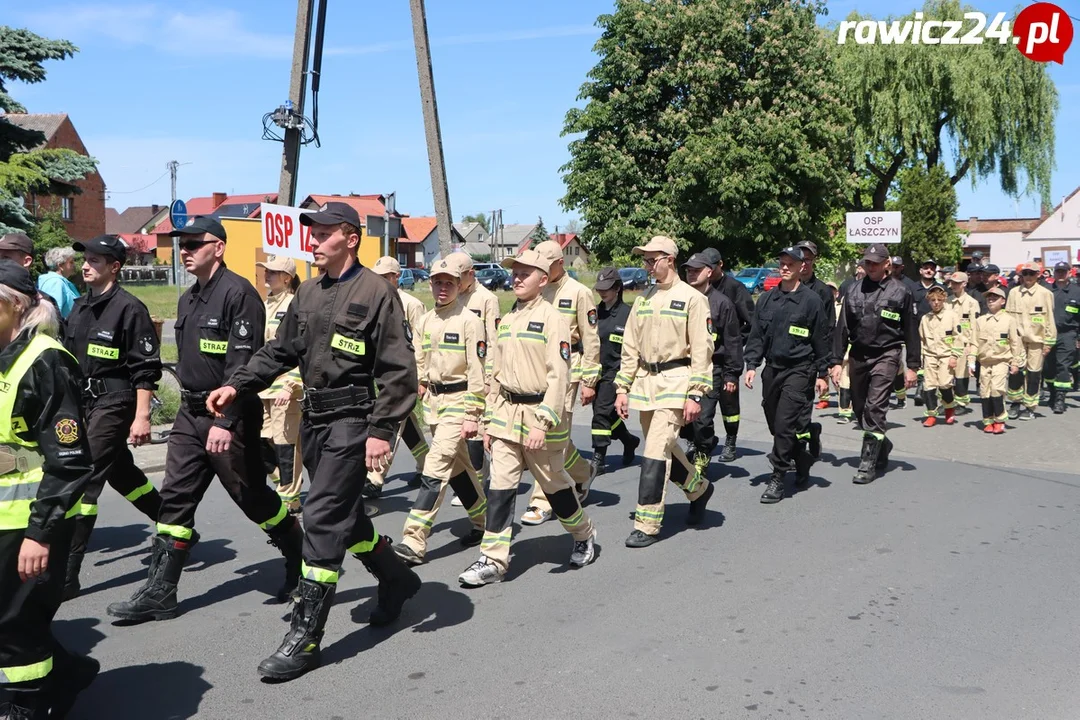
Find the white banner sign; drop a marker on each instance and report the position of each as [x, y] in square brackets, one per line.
[282, 233]
[865, 228]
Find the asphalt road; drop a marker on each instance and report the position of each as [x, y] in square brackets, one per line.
[946, 589]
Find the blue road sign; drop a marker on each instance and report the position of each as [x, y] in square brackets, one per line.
[178, 214]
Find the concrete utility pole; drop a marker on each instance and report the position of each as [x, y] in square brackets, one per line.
[439, 188]
[173, 165]
[290, 155]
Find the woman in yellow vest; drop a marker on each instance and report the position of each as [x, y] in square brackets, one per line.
[44, 464]
[281, 401]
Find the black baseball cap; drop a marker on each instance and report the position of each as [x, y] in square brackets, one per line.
[808, 245]
[201, 224]
[698, 260]
[1062, 266]
[793, 252]
[991, 269]
[924, 263]
[17, 278]
[607, 279]
[876, 253]
[975, 267]
[897, 260]
[332, 213]
[107, 245]
[712, 255]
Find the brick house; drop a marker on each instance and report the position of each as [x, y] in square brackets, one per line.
[83, 213]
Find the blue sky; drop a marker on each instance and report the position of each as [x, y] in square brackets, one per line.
[190, 81]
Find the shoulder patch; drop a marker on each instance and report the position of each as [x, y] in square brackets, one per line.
[481, 349]
[242, 328]
[678, 305]
[67, 431]
[537, 327]
[592, 318]
[566, 303]
[148, 345]
[564, 350]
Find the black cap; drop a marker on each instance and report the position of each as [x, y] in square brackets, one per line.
[974, 267]
[1062, 266]
[332, 213]
[698, 260]
[977, 255]
[808, 245]
[991, 269]
[924, 263]
[897, 260]
[793, 252]
[876, 253]
[201, 224]
[17, 278]
[107, 245]
[712, 255]
[607, 279]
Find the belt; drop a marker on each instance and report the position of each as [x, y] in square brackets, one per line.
[326, 400]
[577, 347]
[523, 398]
[195, 402]
[441, 389]
[662, 366]
[96, 387]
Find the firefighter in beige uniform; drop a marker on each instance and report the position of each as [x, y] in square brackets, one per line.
[450, 354]
[281, 401]
[527, 423]
[411, 431]
[967, 309]
[1032, 306]
[666, 368]
[575, 304]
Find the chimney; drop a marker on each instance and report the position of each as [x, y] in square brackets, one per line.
[218, 199]
[972, 224]
[154, 209]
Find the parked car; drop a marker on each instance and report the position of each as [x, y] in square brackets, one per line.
[421, 275]
[485, 266]
[407, 281]
[752, 278]
[634, 278]
[772, 279]
[493, 278]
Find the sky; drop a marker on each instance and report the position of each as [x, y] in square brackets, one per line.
[190, 82]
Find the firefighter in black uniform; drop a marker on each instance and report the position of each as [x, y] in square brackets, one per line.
[612, 314]
[219, 325]
[727, 363]
[899, 385]
[790, 332]
[347, 332]
[1062, 358]
[740, 297]
[878, 318]
[809, 280]
[45, 464]
[110, 333]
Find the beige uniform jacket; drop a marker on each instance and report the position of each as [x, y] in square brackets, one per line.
[575, 303]
[967, 311]
[998, 339]
[484, 305]
[1033, 309]
[451, 349]
[531, 356]
[276, 307]
[667, 323]
[941, 335]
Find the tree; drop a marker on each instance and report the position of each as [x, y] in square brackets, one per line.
[25, 167]
[715, 121]
[928, 202]
[47, 233]
[478, 218]
[539, 233]
[977, 109]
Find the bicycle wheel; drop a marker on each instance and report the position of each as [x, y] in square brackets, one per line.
[164, 404]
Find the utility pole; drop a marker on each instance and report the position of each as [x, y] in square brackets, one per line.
[172, 165]
[290, 155]
[432, 134]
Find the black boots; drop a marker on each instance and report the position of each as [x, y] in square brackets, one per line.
[84, 526]
[289, 539]
[397, 581]
[813, 445]
[71, 675]
[596, 463]
[804, 460]
[774, 491]
[156, 600]
[630, 446]
[299, 651]
[869, 460]
[1057, 400]
[728, 453]
[882, 463]
[696, 513]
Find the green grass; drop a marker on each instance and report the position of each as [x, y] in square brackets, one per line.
[168, 351]
[159, 299]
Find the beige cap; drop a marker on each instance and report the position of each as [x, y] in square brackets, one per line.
[995, 291]
[463, 261]
[660, 243]
[279, 263]
[386, 265]
[530, 258]
[1030, 266]
[450, 266]
[958, 277]
[550, 250]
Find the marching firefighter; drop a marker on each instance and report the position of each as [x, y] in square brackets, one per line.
[967, 308]
[825, 293]
[740, 297]
[943, 346]
[1032, 306]
[348, 333]
[1001, 355]
[666, 368]
[1060, 361]
[110, 333]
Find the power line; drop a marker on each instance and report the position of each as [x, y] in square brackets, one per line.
[129, 192]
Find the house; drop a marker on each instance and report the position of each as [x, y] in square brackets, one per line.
[999, 240]
[574, 253]
[474, 239]
[370, 247]
[218, 205]
[420, 246]
[1057, 238]
[135, 219]
[511, 238]
[1008, 243]
[83, 212]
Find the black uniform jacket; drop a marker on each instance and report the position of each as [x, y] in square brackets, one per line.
[611, 324]
[876, 318]
[789, 329]
[727, 356]
[1066, 307]
[740, 297]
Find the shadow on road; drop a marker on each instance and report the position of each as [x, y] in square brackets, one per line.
[209, 553]
[852, 461]
[110, 539]
[79, 636]
[163, 691]
[264, 578]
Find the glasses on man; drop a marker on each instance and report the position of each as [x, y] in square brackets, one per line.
[652, 261]
[193, 245]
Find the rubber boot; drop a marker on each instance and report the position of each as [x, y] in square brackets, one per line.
[71, 675]
[289, 539]
[299, 651]
[774, 491]
[728, 453]
[813, 445]
[156, 600]
[596, 463]
[1057, 400]
[804, 460]
[883, 455]
[950, 416]
[397, 581]
[84, 526]
[630, 446]
[868, 461]
[843, 405]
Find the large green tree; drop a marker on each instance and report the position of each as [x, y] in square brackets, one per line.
[715, 121]
[927, 199]
[975, 110]
[24, 166]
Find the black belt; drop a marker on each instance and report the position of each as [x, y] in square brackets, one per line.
[195, 402]
[441, 389]
[96, 387]
[320, 401]
[523, 398]
[662, 366]
[577, 347]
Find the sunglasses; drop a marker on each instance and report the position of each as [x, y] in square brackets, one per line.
[652, 261]
[1029, 272]
[193, 245]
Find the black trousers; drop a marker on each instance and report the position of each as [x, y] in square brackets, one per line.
[334, 518]
[27, 610]
[702, 432]
[871, 382]
[787, 398]
[1058, 367]
[189, 470]
[606, 423]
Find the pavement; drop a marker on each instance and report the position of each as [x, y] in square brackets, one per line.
[945, 589]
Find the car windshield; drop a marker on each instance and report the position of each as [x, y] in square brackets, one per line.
[748, 272]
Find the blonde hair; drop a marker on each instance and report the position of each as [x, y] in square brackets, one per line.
[35, 314]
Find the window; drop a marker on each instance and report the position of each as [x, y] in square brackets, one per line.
[67, 208]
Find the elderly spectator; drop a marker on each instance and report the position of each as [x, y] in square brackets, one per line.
[60, 262]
